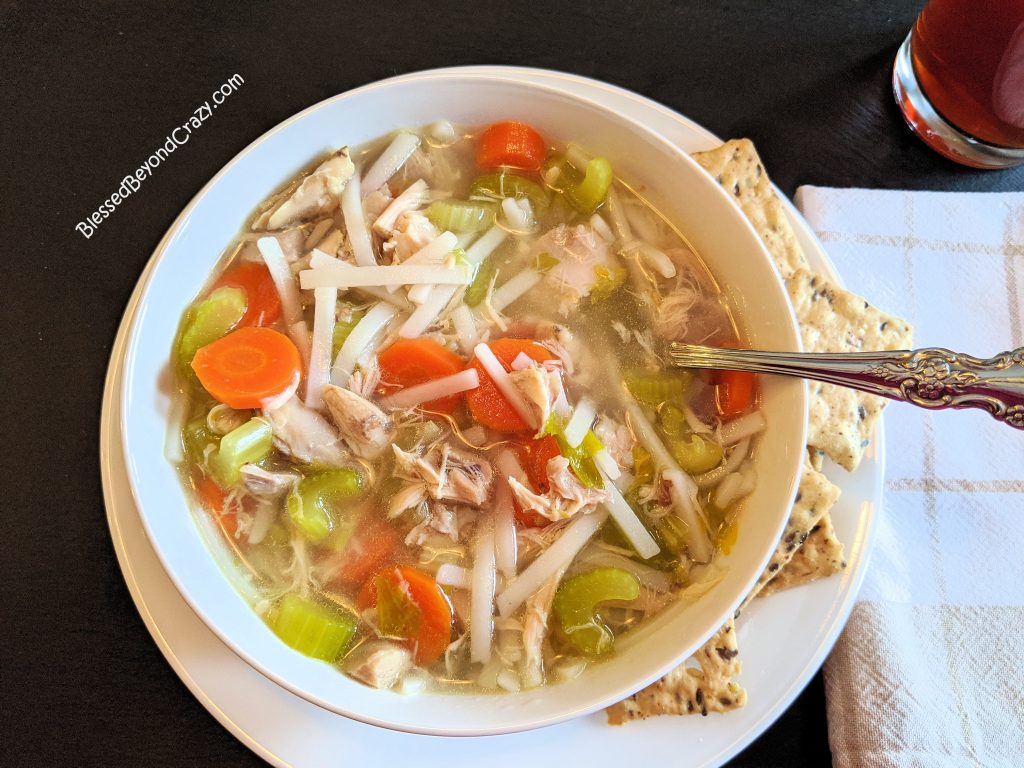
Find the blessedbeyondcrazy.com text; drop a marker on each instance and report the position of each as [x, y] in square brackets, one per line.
[176, 138]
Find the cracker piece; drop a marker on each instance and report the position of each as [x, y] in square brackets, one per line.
[737, 167]
[820, 556]
[816, 457]
[814, 498]
[702, 684]
[833, 319]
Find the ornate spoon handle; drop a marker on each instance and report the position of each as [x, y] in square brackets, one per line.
[931, 378]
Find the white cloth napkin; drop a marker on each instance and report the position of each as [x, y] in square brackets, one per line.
[930, 669]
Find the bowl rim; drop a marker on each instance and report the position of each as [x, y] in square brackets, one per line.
[143, 286]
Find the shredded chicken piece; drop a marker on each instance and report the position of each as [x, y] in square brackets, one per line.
[535, 629]
[365, 427]
[566, 498]
[617, 439]
[540, 388]
[409, 497]
[580, 251]
[271, 485]
[305, 435]
[447, 473]
[365, 378]
[379, 663]
[319, 193]
[412, 231]
[376, 202]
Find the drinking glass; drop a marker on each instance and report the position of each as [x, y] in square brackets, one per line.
[959, 80]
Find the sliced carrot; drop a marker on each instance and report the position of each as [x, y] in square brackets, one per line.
[367, 551]
[263, 303]
[413, 607]
[408, 362]
[534, 456]
[486, 403]
[248, 366]
[735, 392]
[510, 144]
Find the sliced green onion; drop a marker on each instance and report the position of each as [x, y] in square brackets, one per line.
[247, 444]
[209, 320]
[343, 328]
[481, 282]
[312, 629]
[196, 437]
[461, 215]
[576, 603]
[545, 261]
[579, 461]
[587, 196]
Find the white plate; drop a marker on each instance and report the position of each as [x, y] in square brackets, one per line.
[783, 639]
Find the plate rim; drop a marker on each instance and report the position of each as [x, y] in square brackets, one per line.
[843, 606]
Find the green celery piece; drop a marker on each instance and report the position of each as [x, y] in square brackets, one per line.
[579, 461]
[461, 215]
[314, 501]
[195, 437]
[695, 454]
[398, 616]
[498, 186]
[478, 288]
[576, 607]
[209, 320]
[247, 444]
[587, 196]
[643, 467]
[559, 174]
[670, 532]
[313, 630]
[591, 444]
[545, 261]
[672, 420]
[656, 387]
[342, 329]
[607, 281]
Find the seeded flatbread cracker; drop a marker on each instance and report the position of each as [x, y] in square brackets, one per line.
[816, 457]
[703, 684]
[833, 319]
[737, 167]
[814, 498]
[821, 555]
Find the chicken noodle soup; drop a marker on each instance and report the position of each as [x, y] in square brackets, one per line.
[430, 410]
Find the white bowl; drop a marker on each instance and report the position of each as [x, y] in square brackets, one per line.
[195, 557]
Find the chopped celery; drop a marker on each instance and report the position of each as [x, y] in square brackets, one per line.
[461, 215]
[343, 328]
[545, 261]
[478, 288]
[576, 603]
[247, 444]
[695, 454]
[643, 466]
[579, 460]
[559, 174]
[608, 279]
[312, 505]
[209, 320]
[656, 387]
[672, 420]
[670, 533]
[459, 257]
[313, 630]
[587, 196]
[196, 437]
[498, 186]
[591, 445]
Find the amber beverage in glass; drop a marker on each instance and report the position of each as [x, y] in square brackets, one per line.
[959, 80]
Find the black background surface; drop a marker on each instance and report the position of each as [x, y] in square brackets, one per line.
[90, 89]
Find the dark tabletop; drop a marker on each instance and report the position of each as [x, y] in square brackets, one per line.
[90, 88]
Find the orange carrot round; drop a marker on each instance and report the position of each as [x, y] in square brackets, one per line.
[510, 144]
[408, 362]
[263, 303]
[735, 392]
[486, 403]
[534, 456]
[425, 622]
[248, 366]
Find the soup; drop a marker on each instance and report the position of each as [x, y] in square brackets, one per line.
[429, 408]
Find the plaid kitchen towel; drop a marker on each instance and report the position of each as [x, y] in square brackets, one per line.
[930, 669]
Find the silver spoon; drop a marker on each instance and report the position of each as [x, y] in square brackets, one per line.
[930, 378]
